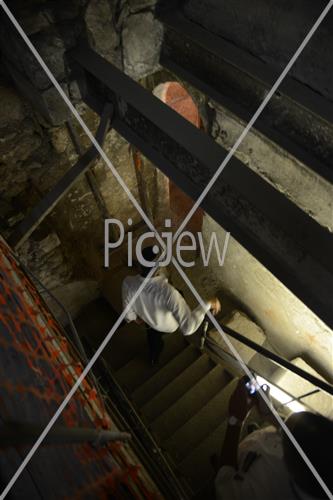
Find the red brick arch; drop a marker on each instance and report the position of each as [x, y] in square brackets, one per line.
[176, 96]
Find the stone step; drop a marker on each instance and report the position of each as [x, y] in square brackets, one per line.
[91, 330]
[166, 424]
[177, 387]
[128, 341]
[95, 322]
[165, 375]
[200, 425]
[239, 322]
[138, 370]
[200, 459]
[112, 286]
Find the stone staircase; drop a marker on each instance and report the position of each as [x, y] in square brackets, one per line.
[183, 401]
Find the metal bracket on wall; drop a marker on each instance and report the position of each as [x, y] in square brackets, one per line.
[89, 174]
[50, 200]
[286, 240]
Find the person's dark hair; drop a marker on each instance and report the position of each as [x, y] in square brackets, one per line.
[314, 433]
[150, 256]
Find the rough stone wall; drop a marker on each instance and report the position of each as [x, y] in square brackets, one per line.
[141, 37]
[289, 325]
[66, 250]
[33, 158]
[291, 328]
[124, 32]
[294, 179]
[243, 284]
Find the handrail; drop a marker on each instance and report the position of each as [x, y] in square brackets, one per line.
[167, 476]
[142, 438]
[322, 384]
[43, 288]
[302, 396]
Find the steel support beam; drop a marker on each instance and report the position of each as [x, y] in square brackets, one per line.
[286, 240]
[238, 81]
[22, 434]
[46, 204]
[317, 382]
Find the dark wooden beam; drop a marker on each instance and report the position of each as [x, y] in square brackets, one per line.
[50, 200]
[292, 245]
[238, 81]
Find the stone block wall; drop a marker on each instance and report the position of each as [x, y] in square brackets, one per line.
[291, 328]
[296, 180]
[36, 149]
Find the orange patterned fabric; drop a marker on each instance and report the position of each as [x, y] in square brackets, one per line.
[38, 366]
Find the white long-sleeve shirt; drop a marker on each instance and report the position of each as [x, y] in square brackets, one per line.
[266, 477]
[161, 306]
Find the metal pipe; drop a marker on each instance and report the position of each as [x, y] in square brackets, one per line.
[307, 394]
[89, 174]
[299, 398]
[325, 386]
[148, 448]
[50, 200]
[18, 434]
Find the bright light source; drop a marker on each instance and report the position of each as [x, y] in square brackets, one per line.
[281, 396]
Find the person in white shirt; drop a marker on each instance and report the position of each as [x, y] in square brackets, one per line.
[266, 465]
[161, 307]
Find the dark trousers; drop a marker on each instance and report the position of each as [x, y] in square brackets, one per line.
[155, 343]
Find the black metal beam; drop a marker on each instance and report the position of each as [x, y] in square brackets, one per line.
[317, 382]
[238, 81]
[89, 174]
[279, 234]
[46, 204]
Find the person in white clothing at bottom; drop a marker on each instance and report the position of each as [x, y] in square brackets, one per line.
[161, 307]
[265, 464]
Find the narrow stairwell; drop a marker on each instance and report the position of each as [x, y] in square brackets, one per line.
[183, 401]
